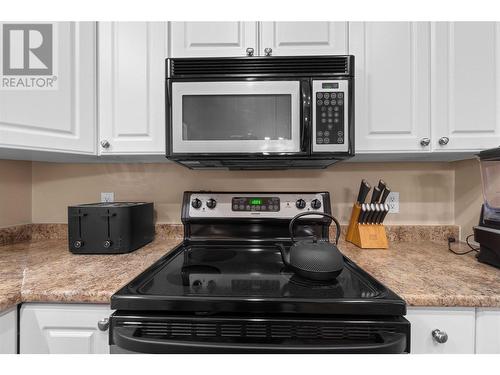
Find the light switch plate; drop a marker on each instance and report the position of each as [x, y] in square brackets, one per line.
[107, 197]
[393, 202]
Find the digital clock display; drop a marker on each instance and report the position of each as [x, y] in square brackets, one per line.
[255, 201]
[330, 85]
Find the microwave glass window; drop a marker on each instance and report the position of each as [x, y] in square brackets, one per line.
[236, 117]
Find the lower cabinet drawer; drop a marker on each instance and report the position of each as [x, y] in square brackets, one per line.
[454, 330]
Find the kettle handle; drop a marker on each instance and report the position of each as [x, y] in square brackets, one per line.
[292, 223]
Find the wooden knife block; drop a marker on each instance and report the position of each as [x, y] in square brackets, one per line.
[365, 236]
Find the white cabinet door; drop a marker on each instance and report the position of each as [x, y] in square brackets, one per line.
[488, 331]
[201, 39]
[63, 328]
[304, 38]
[132, 87]
[61, 119]
[392, 81]
[457, 323]
[466, 85]
[8, 331]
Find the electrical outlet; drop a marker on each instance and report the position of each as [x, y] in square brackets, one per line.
[107, 197]
[393, 202]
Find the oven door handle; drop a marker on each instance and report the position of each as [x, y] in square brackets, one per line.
[387, 343]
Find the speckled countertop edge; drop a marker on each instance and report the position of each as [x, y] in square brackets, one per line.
[424, 273]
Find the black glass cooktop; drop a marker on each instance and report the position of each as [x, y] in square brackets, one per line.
[215, 277]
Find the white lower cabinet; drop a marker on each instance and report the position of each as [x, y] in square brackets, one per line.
[458, 324]
[63, 329]
[8, 331]
[488, 331]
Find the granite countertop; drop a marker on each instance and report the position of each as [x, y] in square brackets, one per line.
[423, 273]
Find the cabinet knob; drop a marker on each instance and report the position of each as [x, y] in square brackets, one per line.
[105, 144]
[444, 141]
[425, 142]
[439, 336]
[268, 51]
[103, 324]
[249, 51]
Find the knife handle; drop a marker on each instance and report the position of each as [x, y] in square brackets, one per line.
[367, 214]
[376, 194]
[362, 213]
[385, 194]
[382, 185]
[371, 214]
[384, 214]
[364, 189]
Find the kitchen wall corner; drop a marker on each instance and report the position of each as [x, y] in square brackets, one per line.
[468, 195]
[15, 193]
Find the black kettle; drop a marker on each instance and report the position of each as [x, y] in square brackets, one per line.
[313, 259]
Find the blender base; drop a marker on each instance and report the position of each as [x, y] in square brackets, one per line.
[489, 241]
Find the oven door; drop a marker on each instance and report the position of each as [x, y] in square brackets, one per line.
[236, 117]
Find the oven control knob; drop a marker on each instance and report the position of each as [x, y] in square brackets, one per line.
[196, 203]
[316, 204]
[300, 204]
[211, 203]
[197, 284]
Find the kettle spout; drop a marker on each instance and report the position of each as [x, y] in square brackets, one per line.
[285, 254]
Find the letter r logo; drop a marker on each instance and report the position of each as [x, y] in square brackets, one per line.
[27, 49]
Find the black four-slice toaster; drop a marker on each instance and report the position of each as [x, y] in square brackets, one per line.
[110, 228]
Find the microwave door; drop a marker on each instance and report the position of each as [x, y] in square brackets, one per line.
[236, 117]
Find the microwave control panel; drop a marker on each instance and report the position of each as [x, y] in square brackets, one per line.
[330, 115]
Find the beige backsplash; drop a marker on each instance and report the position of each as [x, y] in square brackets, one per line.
[468, 195]
[426, 189]
[15, 193]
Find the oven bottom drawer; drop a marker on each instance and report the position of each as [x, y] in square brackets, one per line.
[194, 334]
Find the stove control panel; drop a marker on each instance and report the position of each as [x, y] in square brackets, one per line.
[241, 205]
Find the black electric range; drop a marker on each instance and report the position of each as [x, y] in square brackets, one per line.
[225, 288]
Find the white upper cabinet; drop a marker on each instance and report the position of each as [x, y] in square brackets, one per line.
[466, 85]
[304, 38]
[205, 39]
[61, 118]
[392, 81]
[132, 87]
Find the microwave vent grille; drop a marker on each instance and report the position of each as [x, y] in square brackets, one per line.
[261, 66]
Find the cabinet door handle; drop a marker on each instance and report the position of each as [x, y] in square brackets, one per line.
[439, 336]
[249, 51]
[103, 324]
[425, 142]
[105, 144]
[268, 51]
[444, 141]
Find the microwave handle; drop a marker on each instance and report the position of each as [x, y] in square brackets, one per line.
[305, 94]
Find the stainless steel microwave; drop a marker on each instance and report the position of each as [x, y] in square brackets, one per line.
[260, 112]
